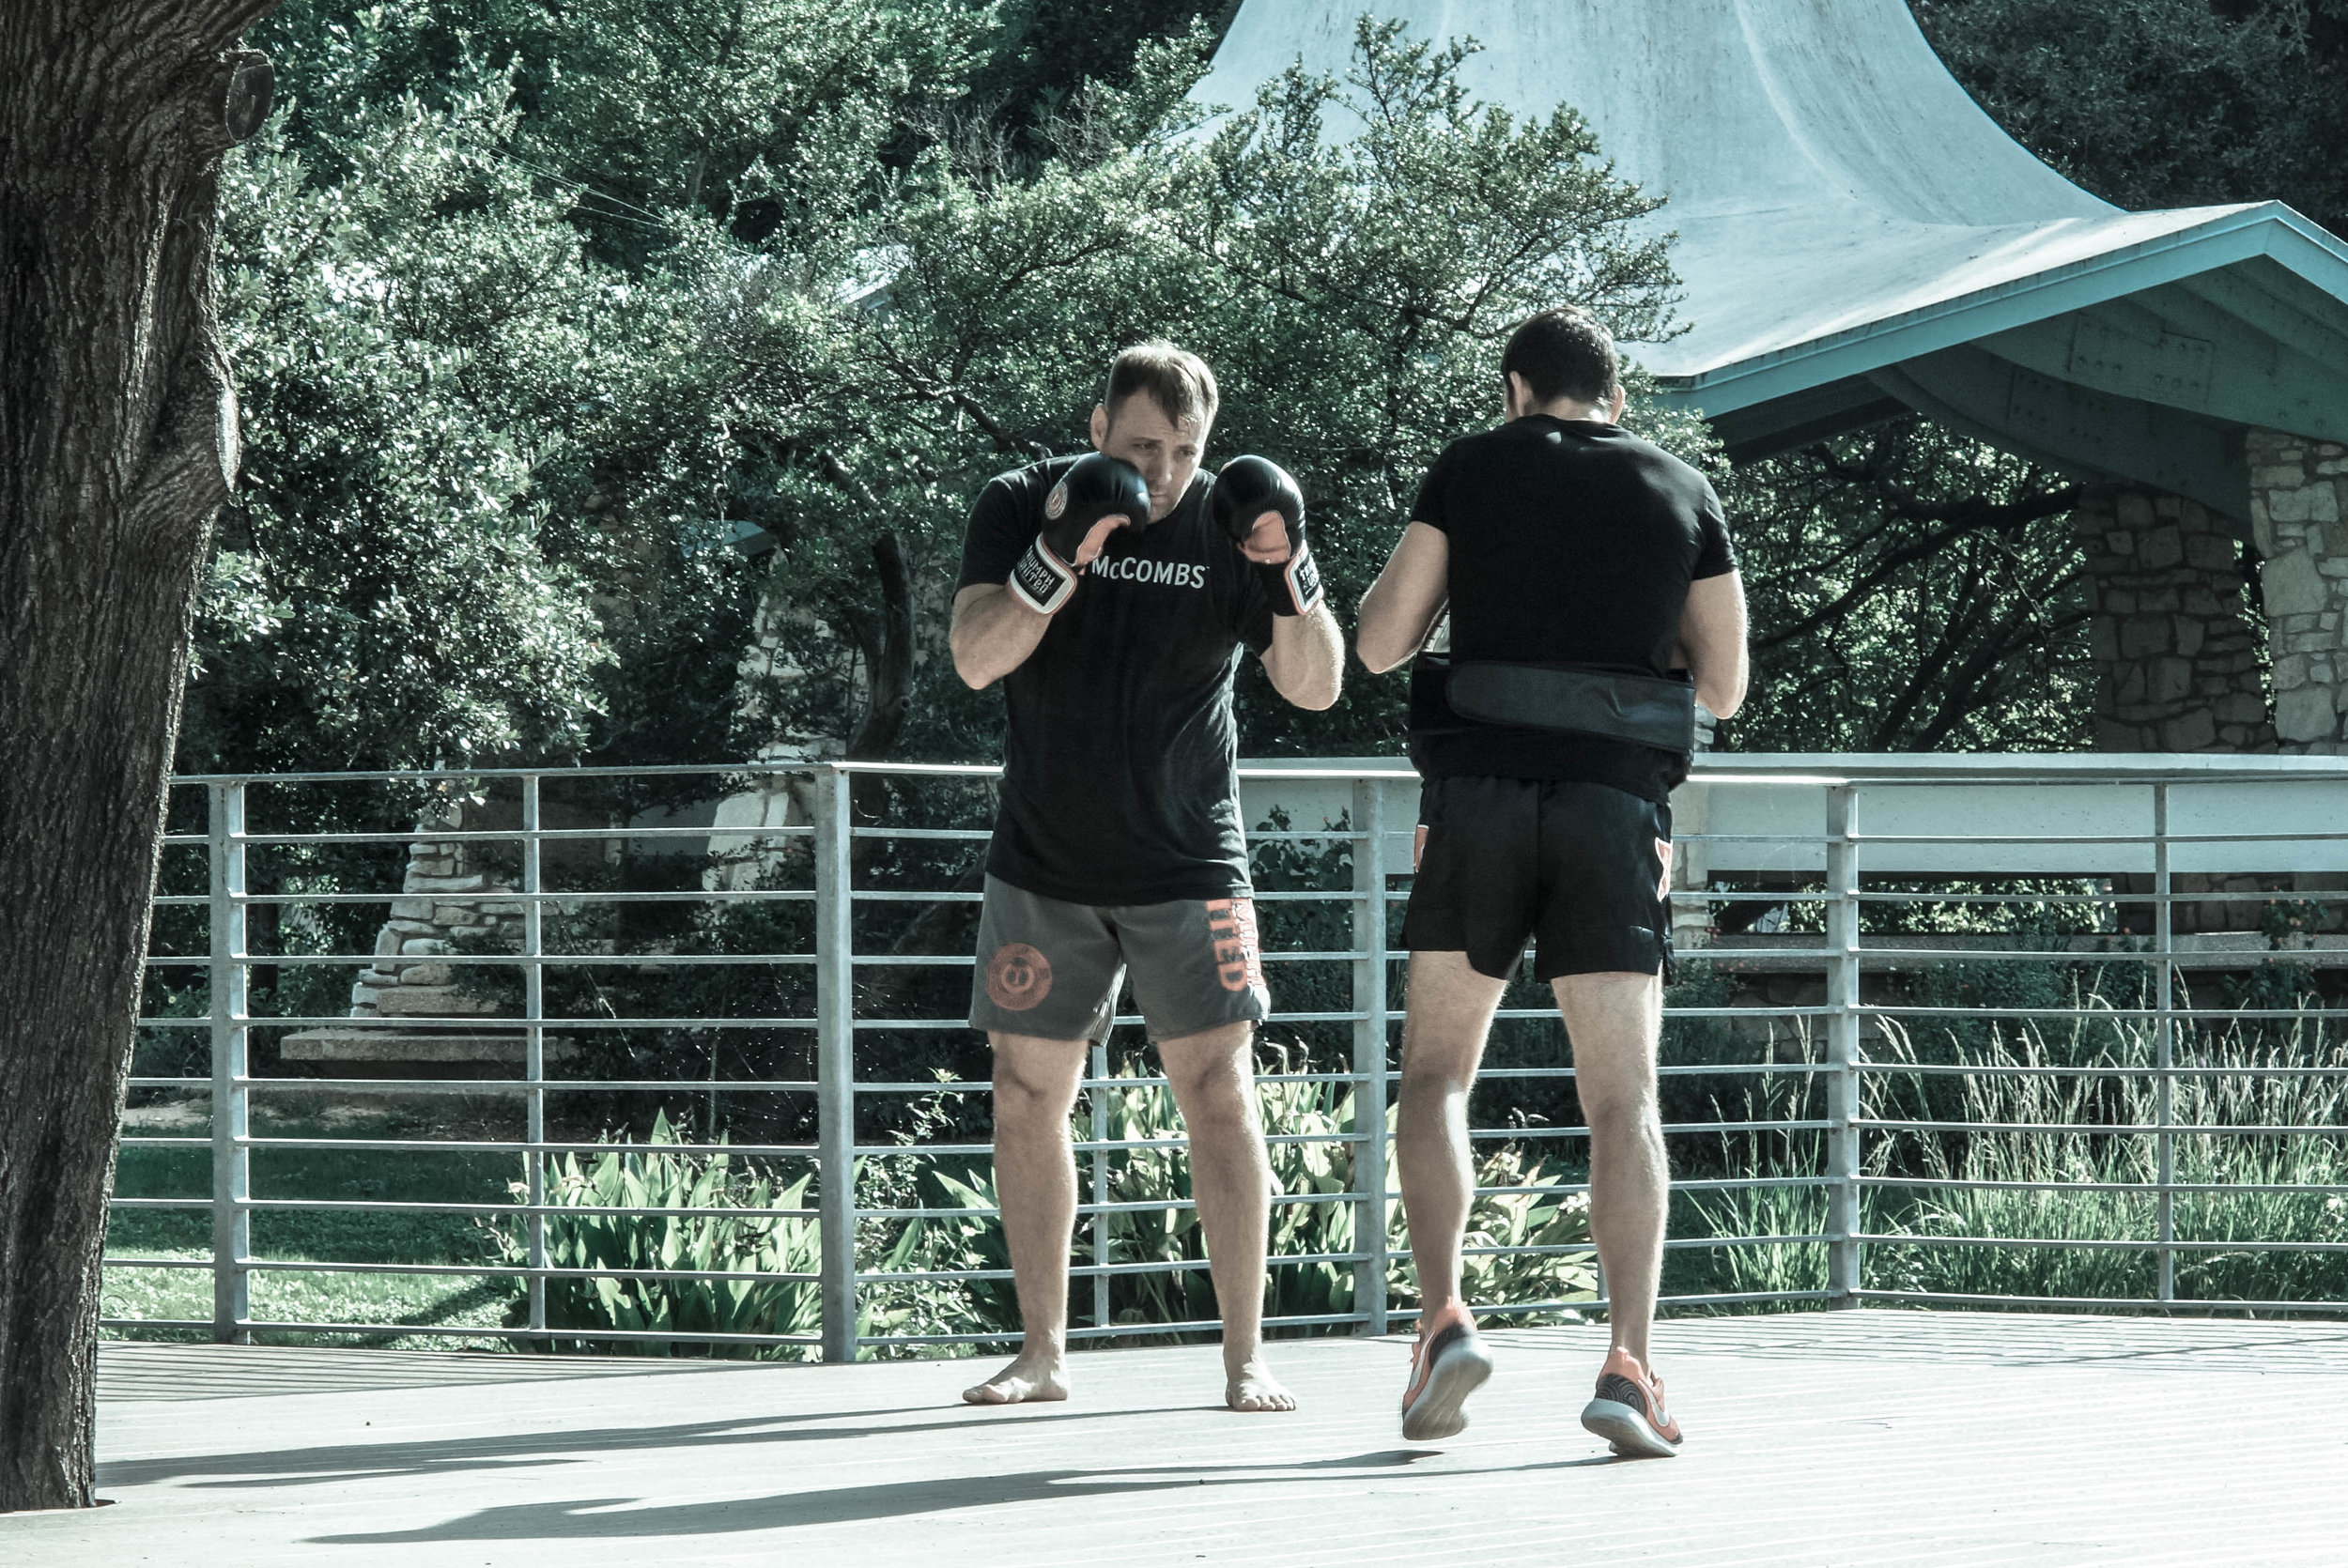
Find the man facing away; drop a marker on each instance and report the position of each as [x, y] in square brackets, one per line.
[1111, 595]
[1581, 567]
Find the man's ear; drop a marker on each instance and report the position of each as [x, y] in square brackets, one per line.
[1614, 403]
[1517, 395]
[1100, 427]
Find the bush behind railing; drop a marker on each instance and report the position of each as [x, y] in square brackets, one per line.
[645, 1177]
[650, 1179]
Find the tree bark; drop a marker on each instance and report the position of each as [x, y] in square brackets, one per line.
[888, 654]
[118, 444]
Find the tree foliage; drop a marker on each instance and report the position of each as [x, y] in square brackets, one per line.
[536, 309]
[2164, 102]
[1910, 591]
[379, 595]
[1352, 293]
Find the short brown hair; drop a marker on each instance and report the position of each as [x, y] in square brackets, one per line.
[1566, 352]
[1177, 380]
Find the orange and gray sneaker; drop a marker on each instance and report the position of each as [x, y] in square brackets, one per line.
[1629, 1410]
[1448, 1363]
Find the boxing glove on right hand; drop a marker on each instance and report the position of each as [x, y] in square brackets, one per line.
[1097, 494]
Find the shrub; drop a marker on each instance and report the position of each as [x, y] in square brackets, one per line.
[1530, 1212]
[643, 1178]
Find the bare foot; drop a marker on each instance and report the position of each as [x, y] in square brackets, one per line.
[1028, 1379]
[1254, 1387]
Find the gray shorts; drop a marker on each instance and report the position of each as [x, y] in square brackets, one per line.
[1052, 970]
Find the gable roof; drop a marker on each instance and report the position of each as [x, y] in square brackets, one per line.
[1857, 237]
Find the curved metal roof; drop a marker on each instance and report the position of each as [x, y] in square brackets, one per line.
[1856, 236]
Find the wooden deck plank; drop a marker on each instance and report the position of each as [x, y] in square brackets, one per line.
[1871, 1437]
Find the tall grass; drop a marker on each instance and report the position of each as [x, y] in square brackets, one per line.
[2085, 1075]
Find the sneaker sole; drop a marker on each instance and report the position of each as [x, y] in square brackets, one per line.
[1458, 1373]
[1626, 1430]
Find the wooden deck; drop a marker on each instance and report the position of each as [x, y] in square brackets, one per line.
[1869, 1437]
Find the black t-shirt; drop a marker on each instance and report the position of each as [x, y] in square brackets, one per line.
[1121, 781]
[1571, 541]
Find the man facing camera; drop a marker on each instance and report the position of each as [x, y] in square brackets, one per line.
[1588, 576]
[1111, 595]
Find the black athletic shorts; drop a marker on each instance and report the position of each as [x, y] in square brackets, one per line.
[1583, 869]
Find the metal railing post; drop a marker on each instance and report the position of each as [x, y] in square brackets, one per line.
[534, 1047]
[2164, 1045]
[1369, 1050]
[835, 1064]
[232, 1161]
[1842, 1223]
[1100, 1093]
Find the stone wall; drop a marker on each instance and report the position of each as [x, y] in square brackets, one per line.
[2179, 661]
[2178, 665]
[2299, 517]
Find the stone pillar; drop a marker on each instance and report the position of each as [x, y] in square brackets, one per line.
[444, 903]
[2176, 652]
[2299, 517]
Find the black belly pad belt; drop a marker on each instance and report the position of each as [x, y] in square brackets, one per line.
[1575, 699]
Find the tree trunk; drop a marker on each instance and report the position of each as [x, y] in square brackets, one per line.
[118, 444]
[888, 654]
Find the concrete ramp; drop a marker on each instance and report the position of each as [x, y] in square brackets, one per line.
[1857, 237]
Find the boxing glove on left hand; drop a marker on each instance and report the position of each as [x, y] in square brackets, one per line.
[1262, 509]
[1097, 494]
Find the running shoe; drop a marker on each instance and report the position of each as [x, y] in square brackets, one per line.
[1629, 1410]
[1448, 1363]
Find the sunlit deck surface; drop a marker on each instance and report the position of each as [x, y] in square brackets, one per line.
[1871, 1438]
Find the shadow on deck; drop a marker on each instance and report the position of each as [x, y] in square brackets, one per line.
[1866, 1437]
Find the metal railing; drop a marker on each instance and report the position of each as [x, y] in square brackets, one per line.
[1823, 1088]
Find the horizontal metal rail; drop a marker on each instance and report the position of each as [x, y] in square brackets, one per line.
[1839, 1116]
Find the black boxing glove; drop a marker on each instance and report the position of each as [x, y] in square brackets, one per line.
[1259, 506]
[1097, 494]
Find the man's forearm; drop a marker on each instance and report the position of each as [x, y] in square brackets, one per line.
[993, 635]
[1383, 633]
[1307, 659]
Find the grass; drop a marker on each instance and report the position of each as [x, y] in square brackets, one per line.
[1957, 1220]
[319, 1235]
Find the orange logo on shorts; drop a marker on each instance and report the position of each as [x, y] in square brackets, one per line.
[1664, 883]
[1018, 978]
[1238, 959]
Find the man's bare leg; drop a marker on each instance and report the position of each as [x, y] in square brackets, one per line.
[1616, 1021]
[1035, 1181]
[1450, 1012]
[1213, 1077]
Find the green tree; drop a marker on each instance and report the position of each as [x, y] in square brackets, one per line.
[1910, 591]
[2164, 102]
[1352, 293]
[379, 593]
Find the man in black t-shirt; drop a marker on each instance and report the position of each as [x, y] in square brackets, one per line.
[1111, 595]
[1585, 567]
